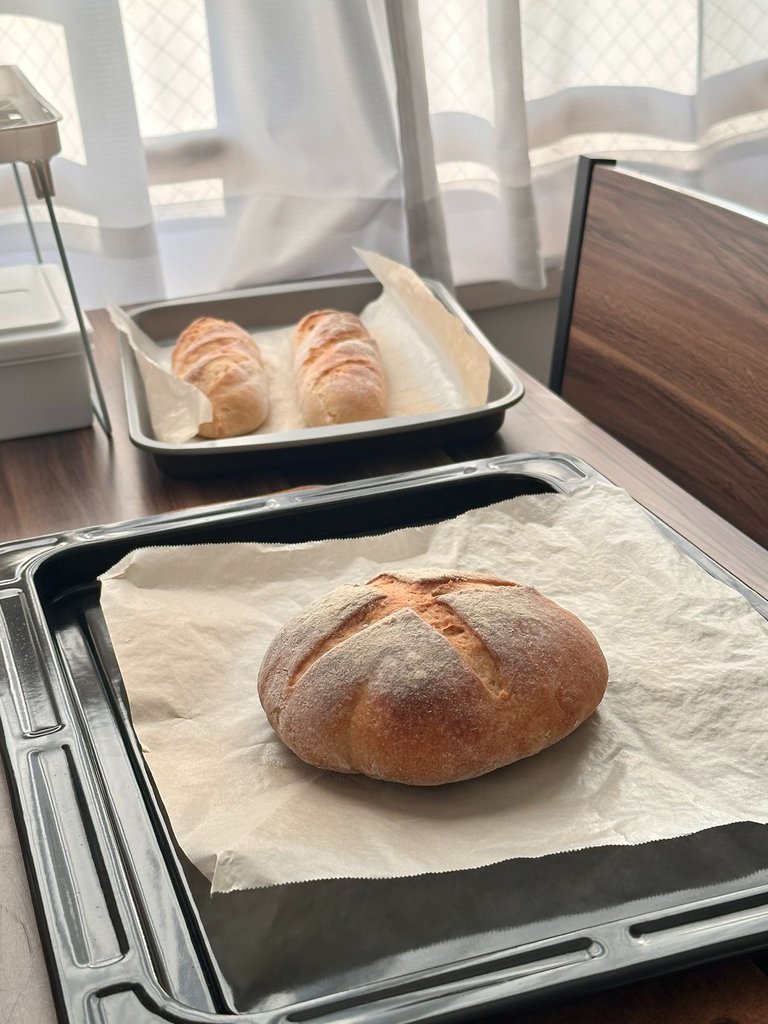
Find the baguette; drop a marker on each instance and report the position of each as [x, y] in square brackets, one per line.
[339, 375]
[223, 361]
[428, 677]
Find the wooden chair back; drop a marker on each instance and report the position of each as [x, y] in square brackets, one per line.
[662, 335]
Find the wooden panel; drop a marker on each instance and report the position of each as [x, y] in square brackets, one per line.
[79, 478]
[668, 348]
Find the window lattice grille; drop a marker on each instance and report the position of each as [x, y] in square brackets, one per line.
[170, 64]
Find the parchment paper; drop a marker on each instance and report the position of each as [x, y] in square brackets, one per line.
[432, 363]
[679, 744]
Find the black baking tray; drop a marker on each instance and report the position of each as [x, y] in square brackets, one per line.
[130, 931]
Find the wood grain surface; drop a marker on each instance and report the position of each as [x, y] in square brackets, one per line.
[80, 478]
[668, 348]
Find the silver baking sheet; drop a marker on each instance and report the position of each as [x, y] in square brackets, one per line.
[279, 306]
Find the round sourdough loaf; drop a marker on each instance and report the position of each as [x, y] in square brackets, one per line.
[429, 676]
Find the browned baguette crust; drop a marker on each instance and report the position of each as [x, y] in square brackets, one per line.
[429, 677]
[339, 374]
[223, 361]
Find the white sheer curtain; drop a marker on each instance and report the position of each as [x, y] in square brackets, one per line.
[675, 90]
[218, 144]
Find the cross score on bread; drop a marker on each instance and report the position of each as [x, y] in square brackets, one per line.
[429, 676]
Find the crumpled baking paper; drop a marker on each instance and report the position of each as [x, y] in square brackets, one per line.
[432, 363]
[679, 743]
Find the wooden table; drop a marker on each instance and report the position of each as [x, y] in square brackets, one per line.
[59, 482]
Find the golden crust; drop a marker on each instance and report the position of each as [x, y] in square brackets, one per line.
[429, 677]
[223, 361]
[339, 375]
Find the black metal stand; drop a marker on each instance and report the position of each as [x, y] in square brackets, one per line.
[41, 178]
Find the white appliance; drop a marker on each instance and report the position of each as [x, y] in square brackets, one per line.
[45, 349]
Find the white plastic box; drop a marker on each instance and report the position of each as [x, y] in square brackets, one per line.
[44, 386]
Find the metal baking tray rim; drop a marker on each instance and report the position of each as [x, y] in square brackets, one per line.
[138, 421]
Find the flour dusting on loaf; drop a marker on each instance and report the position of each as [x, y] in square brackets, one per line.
[339, 374]
[429, 676]
[223, 361]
